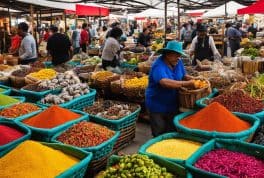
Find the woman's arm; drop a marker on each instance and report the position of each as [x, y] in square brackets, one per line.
[174, 84]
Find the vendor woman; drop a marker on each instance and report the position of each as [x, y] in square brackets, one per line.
[167, 75]
[203, 46]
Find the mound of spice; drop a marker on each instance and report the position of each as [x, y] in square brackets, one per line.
[238, 101]
[215, 117]
[7, 100]
[174, 148]
[9, 134]
[35, 87]
[32, 159]
[51, 117]
[231, 164]
[86, 134]
[18, 110]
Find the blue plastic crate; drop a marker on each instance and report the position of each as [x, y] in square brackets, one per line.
[33, 96]
[43, 134]
[128, 66]
[232, 145]
[144, 147]
[118, 124]
[7, 90]
[78, 103]
[5, 148]
[48, 64]
[99, 151]
[243, 135]
[20, 98]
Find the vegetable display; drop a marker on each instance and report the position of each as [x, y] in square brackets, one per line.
[9, 134]
[28, 158]
[256, 87]
[252, 52]
[86, 134]
[215, 117]
[92, 61]
[136, 166]
[174, 148]
[231, 164]
[18, 110]
[138, 83]
[43, 74]
[111, 110]
[68, 93]
[238, 101]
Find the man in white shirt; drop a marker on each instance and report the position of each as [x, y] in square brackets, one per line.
[203, 46]
[28, 49]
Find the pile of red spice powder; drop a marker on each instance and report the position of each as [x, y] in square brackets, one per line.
[215, 117]
[9, 134]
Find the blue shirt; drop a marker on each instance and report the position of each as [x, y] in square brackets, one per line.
[233, 33]
[158, 98]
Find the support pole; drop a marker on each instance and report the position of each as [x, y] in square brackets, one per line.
[165, 14]
[65, 20]
[225, 10]
[51, 16]
[40, 18]
[10, 18]
[179, 20]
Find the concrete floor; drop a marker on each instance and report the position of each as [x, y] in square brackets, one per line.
[143, 134]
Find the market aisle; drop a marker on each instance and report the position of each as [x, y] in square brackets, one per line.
[143, 134]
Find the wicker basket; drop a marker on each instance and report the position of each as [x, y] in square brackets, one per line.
[189, 97]
[116, 87]
[105, 84]
[250, 67]
[17, 82]
[134, 92]
[144, 67]
[31, 80]
[96, 166]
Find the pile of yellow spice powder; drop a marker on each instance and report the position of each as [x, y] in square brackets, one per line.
[32, 159]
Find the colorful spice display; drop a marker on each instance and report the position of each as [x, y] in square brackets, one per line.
[7, 100]
[259, 136]
[136, 166]
[112, 110]
[174, 148]
[43, 74]
[101, 75]
[215, 117]
[32, 159]
[86, 134]
[51, 117]
[18, 110]
[141, 83]
[231, 164]
[238, 101]
[9, 134]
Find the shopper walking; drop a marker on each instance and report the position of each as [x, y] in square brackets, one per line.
[28, 49]
[58, 46]
[76, 37]
[84, 41]
[162, 98]
[234, 38]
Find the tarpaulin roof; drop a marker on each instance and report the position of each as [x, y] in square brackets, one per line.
[256, 8]
[232, 8]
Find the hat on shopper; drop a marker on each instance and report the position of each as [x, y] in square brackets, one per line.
[173, 46]
[201, 28]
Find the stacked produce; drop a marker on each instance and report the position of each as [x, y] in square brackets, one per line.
[136, 166]
[28, 158]
[174, 148]
[80, 57]
[259, 136]
[157, 44]
[61, 80]
[43, 74]
[68, 93]
[138, 83]
[256, 87]
[7, 100]
[101, 75]
[215, 117]
[111, 110]
[18, 110]
[231, 164]
[51, 117]
[198, 84]
[8, 134]
[86, 134]
[238, 101]
[92, 61]
[35, 87]
[252, 52]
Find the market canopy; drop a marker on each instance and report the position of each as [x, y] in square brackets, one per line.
[155, 13]
[256, 8]
[231, 10]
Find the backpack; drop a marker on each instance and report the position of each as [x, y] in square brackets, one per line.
[187, 37]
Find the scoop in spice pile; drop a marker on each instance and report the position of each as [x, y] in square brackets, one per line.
[135, 166]
[215, 117]
[18, 110]
[238, 101]
[86, 134]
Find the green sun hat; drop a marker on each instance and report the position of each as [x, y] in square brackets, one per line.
[173, 46]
